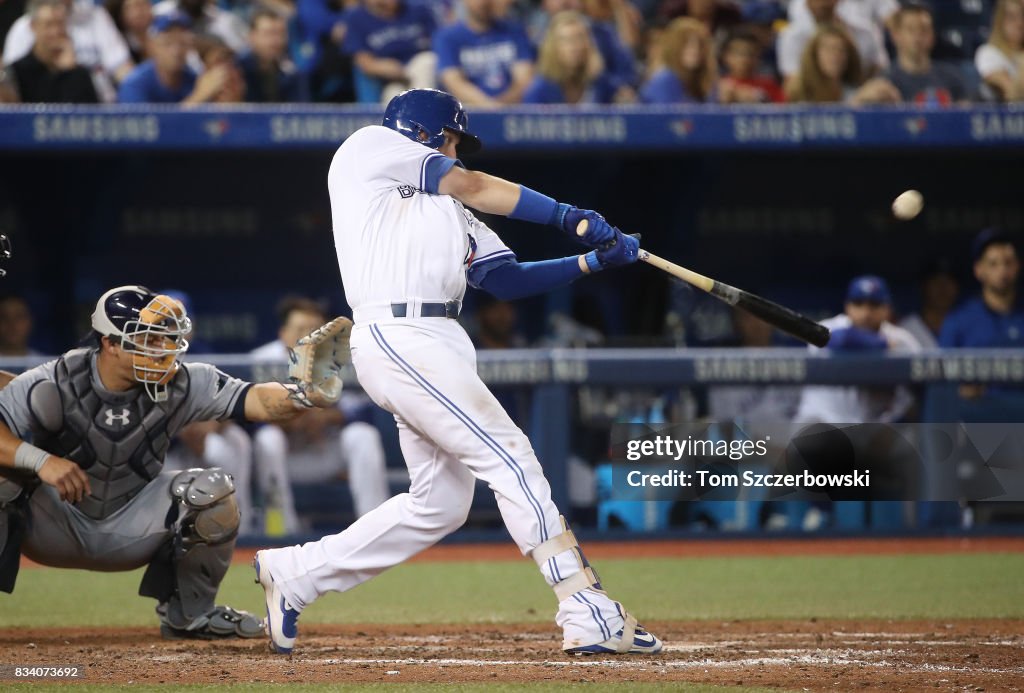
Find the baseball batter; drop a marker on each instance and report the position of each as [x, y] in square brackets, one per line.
[407, 247]
[82, 445]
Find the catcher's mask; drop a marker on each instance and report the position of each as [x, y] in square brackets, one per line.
[151, 326]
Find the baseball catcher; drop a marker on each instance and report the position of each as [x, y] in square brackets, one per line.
[82, 445]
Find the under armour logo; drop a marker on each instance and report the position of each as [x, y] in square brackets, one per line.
[122, 418]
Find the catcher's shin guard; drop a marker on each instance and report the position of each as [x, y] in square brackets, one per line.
[13, 527]
[187, 574]
[632, 638]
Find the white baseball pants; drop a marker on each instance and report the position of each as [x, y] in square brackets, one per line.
[452, 430]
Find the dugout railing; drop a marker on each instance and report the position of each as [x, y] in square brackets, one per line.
[551, 380]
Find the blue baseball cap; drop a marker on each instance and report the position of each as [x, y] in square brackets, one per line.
[868, 288]
[987, 237]
[762, 11]
[170, 20]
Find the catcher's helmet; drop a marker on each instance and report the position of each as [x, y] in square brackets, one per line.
[153, 327]
[431, 112]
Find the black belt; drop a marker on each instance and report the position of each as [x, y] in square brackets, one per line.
[448, 309]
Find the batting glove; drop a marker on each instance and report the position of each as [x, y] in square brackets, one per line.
[623, 250]
[599, 232]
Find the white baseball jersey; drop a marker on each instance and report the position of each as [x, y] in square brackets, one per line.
[396, 240]
[850, 404]
[400, 241]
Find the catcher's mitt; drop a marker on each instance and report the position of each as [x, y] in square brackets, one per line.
[315, 364]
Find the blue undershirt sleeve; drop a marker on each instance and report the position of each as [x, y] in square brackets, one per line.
[507, 279]
[436, 167]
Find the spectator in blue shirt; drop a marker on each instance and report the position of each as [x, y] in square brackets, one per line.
[270, 77]
[690, 67]
[166, 76]
[322, 28]
[481, 60]
[570, 69]
[620, 18]
[389, 41]
[994, 319]
[616, 26]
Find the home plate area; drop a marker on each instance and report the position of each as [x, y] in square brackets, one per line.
[809, 655]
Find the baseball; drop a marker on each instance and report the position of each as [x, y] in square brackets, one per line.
[908, 205]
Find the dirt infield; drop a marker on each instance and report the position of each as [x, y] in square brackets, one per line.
[809, 655]
[835, 655]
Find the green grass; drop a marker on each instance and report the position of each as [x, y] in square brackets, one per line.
[897, 587]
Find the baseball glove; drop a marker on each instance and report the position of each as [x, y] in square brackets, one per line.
[315, 364]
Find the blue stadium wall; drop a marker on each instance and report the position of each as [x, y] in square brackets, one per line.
[232, 205]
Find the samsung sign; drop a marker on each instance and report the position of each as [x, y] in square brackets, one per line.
[749, 370]
[983, 369]
[566, 129]
[998, 127]
[95, 128]
[327, 129]
[798, 127]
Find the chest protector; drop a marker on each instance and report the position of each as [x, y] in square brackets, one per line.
[119, 440]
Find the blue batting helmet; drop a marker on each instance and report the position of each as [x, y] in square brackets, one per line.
[430, 112]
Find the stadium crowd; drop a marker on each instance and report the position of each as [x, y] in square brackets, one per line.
[491, 53]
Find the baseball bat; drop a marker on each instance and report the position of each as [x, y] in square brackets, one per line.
[779, 316]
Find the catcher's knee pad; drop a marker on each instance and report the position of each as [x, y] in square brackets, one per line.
[209, 512]
[585, 578]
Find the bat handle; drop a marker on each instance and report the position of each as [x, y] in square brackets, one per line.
[581, 230]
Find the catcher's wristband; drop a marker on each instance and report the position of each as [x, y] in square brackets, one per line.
[29, 457]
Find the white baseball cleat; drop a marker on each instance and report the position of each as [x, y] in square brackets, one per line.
[282, 617]
[635, 641]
